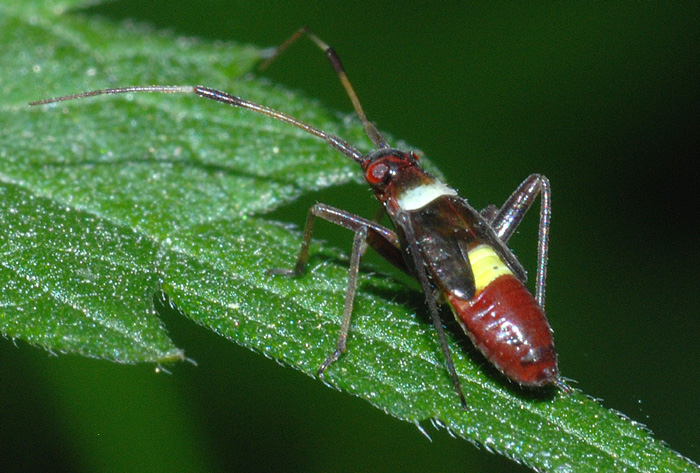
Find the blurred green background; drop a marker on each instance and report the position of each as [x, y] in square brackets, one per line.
[600, 97]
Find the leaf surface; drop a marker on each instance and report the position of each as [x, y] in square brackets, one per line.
[106, 202]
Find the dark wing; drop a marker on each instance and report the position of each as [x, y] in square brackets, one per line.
[445, 231]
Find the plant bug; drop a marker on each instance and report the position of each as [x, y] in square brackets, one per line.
[458, 254]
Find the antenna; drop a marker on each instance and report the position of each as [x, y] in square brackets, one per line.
[223, 97]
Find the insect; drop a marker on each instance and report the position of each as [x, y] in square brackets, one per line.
[457, 254]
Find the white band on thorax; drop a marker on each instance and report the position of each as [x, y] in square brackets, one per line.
[419, 197]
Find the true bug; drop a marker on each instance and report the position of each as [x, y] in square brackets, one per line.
[458, 254]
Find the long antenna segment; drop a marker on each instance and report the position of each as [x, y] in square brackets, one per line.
[223, 97]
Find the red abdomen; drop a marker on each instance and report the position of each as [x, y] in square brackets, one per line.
[505, 322]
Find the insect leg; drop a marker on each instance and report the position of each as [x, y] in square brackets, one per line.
[511, 214]
[341, 344]
[367, 232]
[337, 65]
[430, 299]
[384, 241]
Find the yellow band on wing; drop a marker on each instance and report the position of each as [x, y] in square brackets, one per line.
[486, 266]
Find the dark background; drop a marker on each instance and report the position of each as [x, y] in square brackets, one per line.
[601, 98]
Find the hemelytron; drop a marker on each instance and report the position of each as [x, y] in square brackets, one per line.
[458, 254]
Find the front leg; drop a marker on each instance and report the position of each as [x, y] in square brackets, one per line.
[353, 270]
[507, 219]
[366, 233]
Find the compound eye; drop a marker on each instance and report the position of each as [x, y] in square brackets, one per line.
[377, 173]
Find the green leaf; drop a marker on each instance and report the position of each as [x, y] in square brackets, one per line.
[107, 201]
